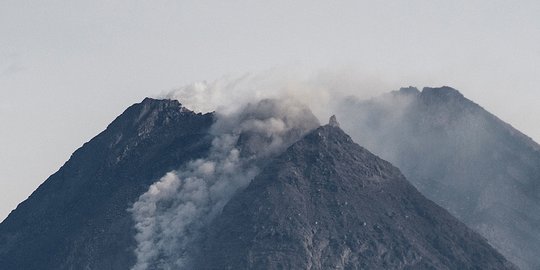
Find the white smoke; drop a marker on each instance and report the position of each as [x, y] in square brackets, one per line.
[257, 117]
[321, 91]
[171, 213]
[173, 210]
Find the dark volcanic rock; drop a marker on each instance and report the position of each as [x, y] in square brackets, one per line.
[482, 170]
[77, 219]
[327, 203]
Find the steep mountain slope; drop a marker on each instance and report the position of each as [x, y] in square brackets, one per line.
[77, 219]
[465, 159]
[327, 203]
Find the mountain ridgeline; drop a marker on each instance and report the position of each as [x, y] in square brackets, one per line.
[323, 202]
[327, 203]
[77, 218]
[465, 159]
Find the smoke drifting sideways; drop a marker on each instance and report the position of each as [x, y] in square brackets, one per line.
[452, 150]
[322, 91]
[170, 215]
[257, 117]
[480, 169]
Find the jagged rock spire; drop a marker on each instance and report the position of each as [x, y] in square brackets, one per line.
[333, 121]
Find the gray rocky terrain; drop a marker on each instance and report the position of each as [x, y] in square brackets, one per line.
[327, 203]
[323, 203]
[479, 168]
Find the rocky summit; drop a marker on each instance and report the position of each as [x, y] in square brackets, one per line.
[482, 170]
[77, 219]
[323, 203]
[327, 203]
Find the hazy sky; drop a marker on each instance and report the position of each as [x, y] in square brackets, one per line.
[67, 68]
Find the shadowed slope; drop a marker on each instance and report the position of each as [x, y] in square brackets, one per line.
[77, 219]
[327, 203]
[479, 168]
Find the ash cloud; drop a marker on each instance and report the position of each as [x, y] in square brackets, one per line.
[170, 215]
[447, 146]
[257, 117]
[322, 91]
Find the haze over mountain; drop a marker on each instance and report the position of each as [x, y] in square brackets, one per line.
[150, 189]
[327, 203]
[68, 67]
[479, 168]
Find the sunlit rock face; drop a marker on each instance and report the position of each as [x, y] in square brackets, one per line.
[465, 159]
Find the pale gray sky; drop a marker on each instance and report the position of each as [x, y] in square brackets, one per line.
[67, 68]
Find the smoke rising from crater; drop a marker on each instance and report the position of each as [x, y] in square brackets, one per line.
[321, 91]
[442, 142]
[171, 213]
[257, 117]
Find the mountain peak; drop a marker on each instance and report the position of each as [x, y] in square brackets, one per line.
[333, 121]
[441, 93]
[463, 158]
[322, 203]
[77, 218]
[411, 90]
[327, 203]
[160, 103]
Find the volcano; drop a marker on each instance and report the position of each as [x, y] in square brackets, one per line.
[323, 202]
